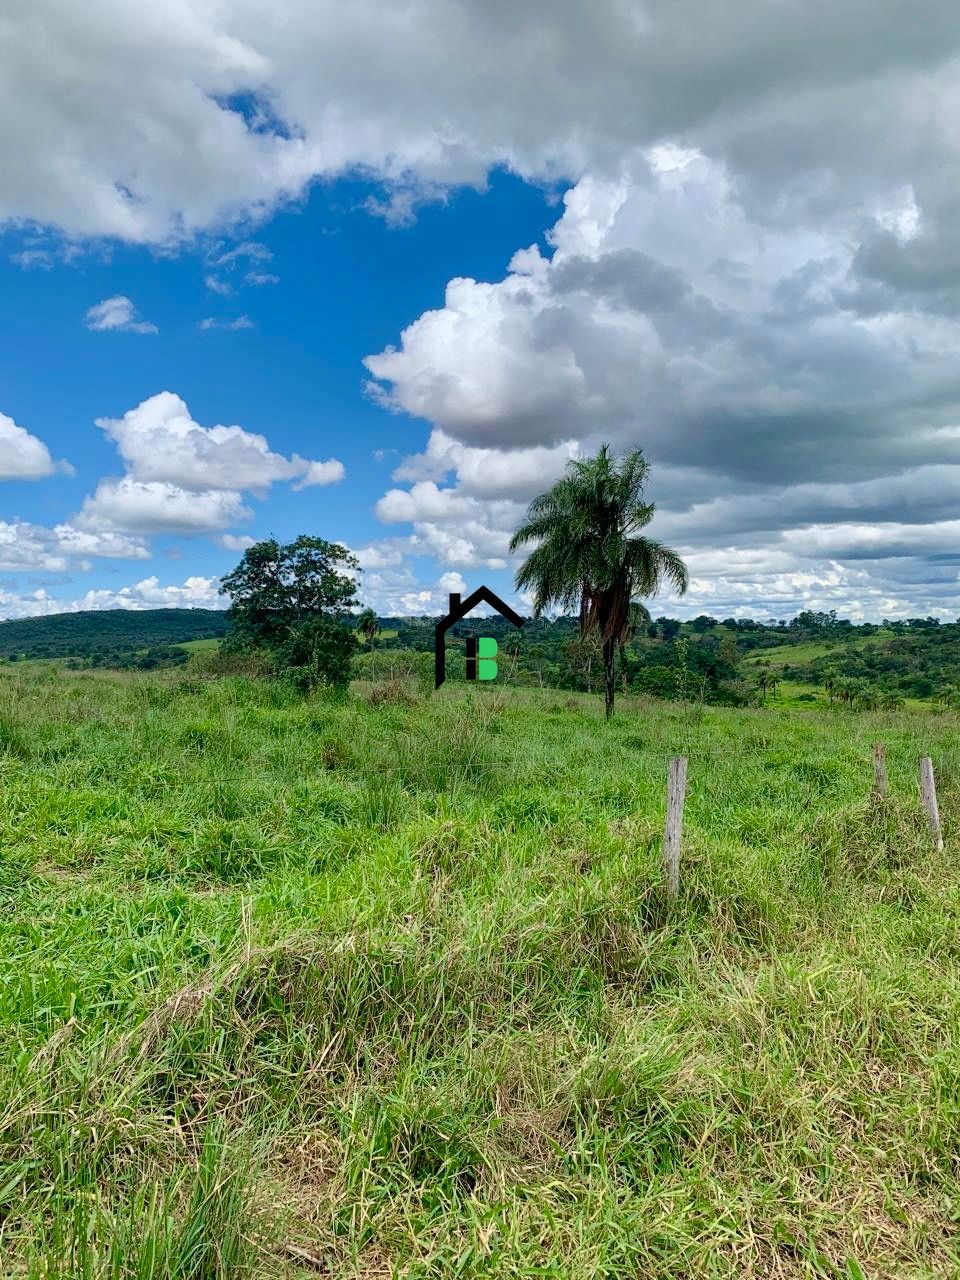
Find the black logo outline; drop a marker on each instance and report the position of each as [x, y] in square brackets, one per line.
[457, 612]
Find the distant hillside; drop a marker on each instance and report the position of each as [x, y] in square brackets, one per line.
[102, 635]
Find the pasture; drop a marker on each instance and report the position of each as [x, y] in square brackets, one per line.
[389, 986]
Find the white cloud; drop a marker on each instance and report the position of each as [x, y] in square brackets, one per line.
[159, 441]
[117, 314]
[216, 285]
[156, 506]
[24, 545]
[756, 276]
[150, 124]
[23, 456]
[259, 278]
[241, 322]
[193, 593]
[319, 473]
[33, 259]
[774, 413]
[398, 592]
[386, 554]
[185, 478]
[249, 251]
[236, 542]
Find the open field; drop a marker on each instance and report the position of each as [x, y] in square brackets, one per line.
[807, 650]
[300, 988]
[207, 645]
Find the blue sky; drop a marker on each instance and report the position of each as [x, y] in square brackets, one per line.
[416, 257]
[336, 283]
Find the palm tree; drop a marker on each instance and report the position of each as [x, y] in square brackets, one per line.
[589, 553]
[764, 685]
[368, 626]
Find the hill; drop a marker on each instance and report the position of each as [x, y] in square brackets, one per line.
[103, 636]
[388, 986]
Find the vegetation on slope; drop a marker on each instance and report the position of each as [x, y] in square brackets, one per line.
[107, 637]
[388, 986]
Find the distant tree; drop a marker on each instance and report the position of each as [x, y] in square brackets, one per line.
[276, 587]
[368, 626]
[292, 599]
[767, 682]
[589, 551]
[638, 615]
[704, 623]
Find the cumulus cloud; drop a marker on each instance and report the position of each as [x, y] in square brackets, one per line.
[149, 125]
[159, 440]
[776, 414]
[236, 541]
[155, 506]
[320, 473]
[399, 592]
[117, 314]
[23, 456]
[756, 275]
[24, 545]
[185, 478]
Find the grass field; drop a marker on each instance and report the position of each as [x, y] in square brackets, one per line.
[200, 646]
[373, 988]
[808, 650]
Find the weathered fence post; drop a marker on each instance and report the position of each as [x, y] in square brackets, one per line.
[676, 791]
[879, 770]
[928, 792]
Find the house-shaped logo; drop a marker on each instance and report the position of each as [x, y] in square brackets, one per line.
[482, 650]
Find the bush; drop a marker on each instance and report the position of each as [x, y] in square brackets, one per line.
[317, 652]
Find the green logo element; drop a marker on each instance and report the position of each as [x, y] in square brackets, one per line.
[486, 658]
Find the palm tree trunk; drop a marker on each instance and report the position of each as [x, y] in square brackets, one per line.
[608, 673]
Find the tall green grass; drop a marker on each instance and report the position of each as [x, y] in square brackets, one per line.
[388, 986]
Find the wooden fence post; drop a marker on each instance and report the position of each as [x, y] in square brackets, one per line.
[928, 791]
[879, 770]
[676, 791]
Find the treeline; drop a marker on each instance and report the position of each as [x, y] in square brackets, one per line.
[730, 660]
[119, 638]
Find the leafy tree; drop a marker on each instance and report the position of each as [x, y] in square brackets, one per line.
[638, 615]
[276, 587]
[589, 552]
[292, 599]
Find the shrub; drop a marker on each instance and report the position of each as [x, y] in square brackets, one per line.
[317, 652]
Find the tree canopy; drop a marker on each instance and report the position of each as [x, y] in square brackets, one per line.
[278, 586]
[292, 598]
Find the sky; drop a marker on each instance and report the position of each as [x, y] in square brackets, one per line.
[377, 272]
